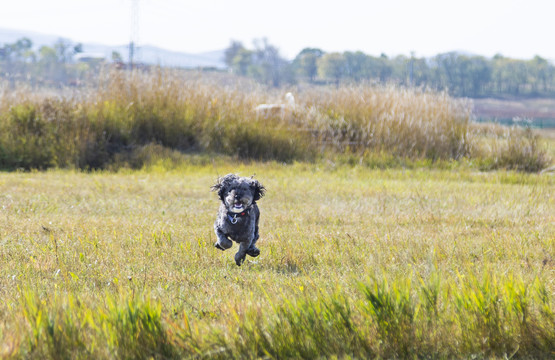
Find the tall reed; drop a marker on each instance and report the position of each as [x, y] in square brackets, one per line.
[128, 111]
[404, 122]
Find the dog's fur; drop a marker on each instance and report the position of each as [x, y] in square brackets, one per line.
[238, 215]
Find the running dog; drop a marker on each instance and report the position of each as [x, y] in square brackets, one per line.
[238, 215]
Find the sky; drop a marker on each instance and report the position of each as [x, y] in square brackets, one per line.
[513, 28]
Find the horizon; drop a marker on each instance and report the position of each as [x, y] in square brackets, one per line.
[516, 29]
[76, 41]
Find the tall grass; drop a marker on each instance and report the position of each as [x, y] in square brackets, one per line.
[404, 122]
[514, 149]
[481, 317]
[127, 112]
[478, 317]
[66, 328]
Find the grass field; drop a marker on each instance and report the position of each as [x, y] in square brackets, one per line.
[357, 262]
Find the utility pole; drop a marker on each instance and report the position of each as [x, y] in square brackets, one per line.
[411, 69]
[134, 35]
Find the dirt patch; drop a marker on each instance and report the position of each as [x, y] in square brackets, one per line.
[539, 108]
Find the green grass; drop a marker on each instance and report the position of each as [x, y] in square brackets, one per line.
[355, 262]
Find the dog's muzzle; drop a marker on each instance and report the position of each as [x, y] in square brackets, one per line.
[238, 207]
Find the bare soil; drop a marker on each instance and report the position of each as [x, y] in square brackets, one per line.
[543, 108]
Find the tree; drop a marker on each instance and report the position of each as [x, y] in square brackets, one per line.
[48, 60]
[15, 59]
[116, 57]
[399, 69]
[357, 65]
[270, 66]
[242, 62]
[306, 63]
[264, 63]
[497, 73]
[540, 72]
[332, 66]
[52, 64]
[479, 74]
[63, 51]
[231, 52]
[21, 48]
[445, 71]
[78, 48]
[385, 69]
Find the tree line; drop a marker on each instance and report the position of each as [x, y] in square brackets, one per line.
[460, 74]
[54, 65]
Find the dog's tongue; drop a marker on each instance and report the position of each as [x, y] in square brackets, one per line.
[237, 207]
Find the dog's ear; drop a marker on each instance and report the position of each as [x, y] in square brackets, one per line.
[258, 189]
[222, 184]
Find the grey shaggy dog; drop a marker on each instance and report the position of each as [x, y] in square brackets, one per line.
[238, 214]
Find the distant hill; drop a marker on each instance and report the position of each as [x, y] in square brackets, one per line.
[146, 54]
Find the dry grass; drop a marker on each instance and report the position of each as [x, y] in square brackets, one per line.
[403, 122]
[111, 125]
[368, 263]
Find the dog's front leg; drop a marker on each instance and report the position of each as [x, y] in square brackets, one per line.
[223, 243]
[242, 253]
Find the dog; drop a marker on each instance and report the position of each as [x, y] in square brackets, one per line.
[238, 214]
[271, 110]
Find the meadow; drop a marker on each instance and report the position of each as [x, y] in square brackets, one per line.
[392, 226]
[355, 262]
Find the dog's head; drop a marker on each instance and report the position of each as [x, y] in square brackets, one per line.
[238, 193]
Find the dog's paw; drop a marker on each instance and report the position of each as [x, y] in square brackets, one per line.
[253, 251]
[239, 260]
[218, 246]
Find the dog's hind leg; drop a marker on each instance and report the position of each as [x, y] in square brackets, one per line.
[253, 250]
[242, 253]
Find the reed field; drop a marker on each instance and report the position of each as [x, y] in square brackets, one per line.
[111, 123]
[392, 226]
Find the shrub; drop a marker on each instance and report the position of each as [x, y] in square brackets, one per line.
[518, 149]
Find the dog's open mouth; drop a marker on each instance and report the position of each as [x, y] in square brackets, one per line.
[238, 207]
